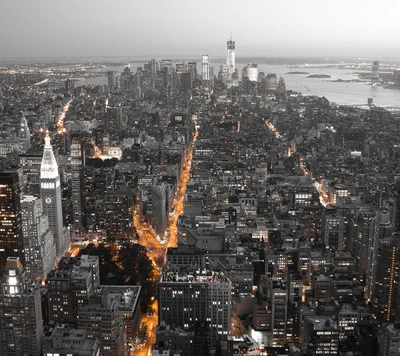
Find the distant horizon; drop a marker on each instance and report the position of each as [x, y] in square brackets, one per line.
[308, 28]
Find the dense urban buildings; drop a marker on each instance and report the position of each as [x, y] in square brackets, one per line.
[159, 208]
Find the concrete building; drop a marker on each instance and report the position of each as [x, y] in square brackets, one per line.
[11, 238]
[65, 341]
[71, 286]
[184, 298]
[389, 340]
[39, 246]
[102, 320]
[205, 66]
[21, 323]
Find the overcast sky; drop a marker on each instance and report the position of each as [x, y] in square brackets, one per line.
[59, 28]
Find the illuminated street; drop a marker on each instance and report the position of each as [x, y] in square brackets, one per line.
[60, 121]
[157, 249]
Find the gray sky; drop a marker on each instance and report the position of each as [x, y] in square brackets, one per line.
[57, 28]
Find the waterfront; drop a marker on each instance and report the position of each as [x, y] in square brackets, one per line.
[343, 93]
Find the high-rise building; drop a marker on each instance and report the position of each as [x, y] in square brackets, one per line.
[77, 187]
[39, 247]
[192, 68]
[112, 80]
[50, 192]
[385, 293]
[382, 229]
[21, 322]
[30, 164]
[166, 63]
[11, 239]
[279, 301]
[159, 208]
[230, 56]
[205, 66]
[71, 286]
[184, 298]
[69, 87]
[250, 71]
[102, 320]
[332, 231]
[389, 340]
[186, 82]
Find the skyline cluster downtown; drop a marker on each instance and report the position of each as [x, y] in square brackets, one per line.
[186, 209]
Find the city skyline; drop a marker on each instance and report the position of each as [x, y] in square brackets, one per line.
[88, 28]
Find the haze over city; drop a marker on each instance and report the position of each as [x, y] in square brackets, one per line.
[199, 178]
[47, 28]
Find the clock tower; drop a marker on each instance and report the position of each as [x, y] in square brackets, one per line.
[50, 192]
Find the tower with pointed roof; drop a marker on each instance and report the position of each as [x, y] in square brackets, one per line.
[50, 192]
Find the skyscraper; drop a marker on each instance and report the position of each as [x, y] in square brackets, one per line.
[77, 187]
[385, 293]
[111, 80]
[21, 322]
[11, 240]
[39, 247]
[205, 65]
[159, 207]
[230, 56]
[186, 298]
[50, 192]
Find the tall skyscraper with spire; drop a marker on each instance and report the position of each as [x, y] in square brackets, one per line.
[50, 192]
[230, 56]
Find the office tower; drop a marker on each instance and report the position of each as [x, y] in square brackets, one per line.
[77, 183]
[184, 298]
[112, 80]
[30, 164]
[332, 231]
[389, 339]
[250, 71]
[166, 63]
[69, 87]
[159, 208]
[223, 74]
[71, 286]
[118, 204]
[375, 71]
[361, 235]
[205, 67]
[230, 56]
[192, 69]
[322, 336]
[279, 301]
[107, 327]
[383, 229]
[50, 192]
[62, 340]
[180, 68]
[271, 81]
[21, 329]
[39, 247]
[385, 293]
[11, 239]
[396, 207]
[186, 82]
